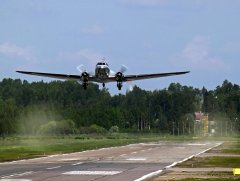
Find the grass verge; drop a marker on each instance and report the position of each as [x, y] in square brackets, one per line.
[16, 148]
[211, 179]
[215, 161]
[230, 147]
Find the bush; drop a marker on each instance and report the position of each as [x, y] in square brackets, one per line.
[114, 129]
[48, 128]
[58, 127]
[97, 129]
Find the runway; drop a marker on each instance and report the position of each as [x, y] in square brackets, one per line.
[128, 163]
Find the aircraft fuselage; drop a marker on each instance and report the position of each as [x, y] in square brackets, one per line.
[102, 71]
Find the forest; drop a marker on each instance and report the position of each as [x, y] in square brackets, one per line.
[64, 107]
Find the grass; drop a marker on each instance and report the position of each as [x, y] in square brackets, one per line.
[210, 179]
[15, 148]
[214, 161]
[228, 147]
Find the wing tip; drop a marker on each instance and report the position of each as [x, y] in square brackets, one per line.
[22, 72]
[19, 71]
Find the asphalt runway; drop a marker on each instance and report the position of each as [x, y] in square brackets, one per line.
[125, 163]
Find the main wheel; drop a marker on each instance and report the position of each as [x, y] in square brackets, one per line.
[85, 85]
[119, 85]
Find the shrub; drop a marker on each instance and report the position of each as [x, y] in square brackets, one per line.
[97, 129]
[114, 129]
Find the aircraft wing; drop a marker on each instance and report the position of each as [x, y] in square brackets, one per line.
[150, 76]
[109, 79]
[58, 76]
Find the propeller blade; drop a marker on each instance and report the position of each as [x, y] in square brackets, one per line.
[112, 73]
[81, 68]
[123, 69]
[130, 86]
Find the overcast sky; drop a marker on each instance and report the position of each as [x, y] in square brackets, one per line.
[148, 36]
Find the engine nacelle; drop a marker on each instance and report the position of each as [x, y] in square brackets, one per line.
[85, 76]
[119, 76]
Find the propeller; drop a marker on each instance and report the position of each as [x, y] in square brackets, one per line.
[123, 69]
[81, 68]
[130, 86]
[84, 74]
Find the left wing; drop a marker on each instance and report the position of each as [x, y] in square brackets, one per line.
[150, 76]
[58, 76]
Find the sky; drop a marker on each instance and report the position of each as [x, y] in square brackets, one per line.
[148, 36]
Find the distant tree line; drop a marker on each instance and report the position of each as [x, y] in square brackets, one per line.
[66, 108]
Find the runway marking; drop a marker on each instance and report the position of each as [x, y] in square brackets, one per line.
[136, 159]
[69, 159]
[92, 173]
[79, 163]
[15, 180]
[109, 158]
[51, 168]
[196, 144]
[17, 174]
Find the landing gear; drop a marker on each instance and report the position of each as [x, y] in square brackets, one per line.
[119, 85]
[103, 84]
[85, 84]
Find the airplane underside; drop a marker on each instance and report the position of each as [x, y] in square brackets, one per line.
[103, 82]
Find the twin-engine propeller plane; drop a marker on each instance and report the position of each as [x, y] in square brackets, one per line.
[103, 75]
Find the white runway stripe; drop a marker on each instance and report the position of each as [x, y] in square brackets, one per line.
[136, 159]
[51, 168]
[15, 180]
[92, 173]
[196, 144]
[79, 163]
[17, 174]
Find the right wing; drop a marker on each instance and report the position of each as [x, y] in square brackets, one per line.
[150, 76]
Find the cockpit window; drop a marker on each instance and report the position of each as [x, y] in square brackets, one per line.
[102, 63]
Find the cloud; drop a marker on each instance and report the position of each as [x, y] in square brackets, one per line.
[93, 30]
[86, 56]
[232, 47]
[197, 55]
[13, 51]
[144, 2]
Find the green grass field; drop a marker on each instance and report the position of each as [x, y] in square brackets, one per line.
[231, 147]
[215, 161]
[215, 179]
[15, 148]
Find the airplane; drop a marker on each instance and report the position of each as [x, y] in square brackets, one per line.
[103, 74]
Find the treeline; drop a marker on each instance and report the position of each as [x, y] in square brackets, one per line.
[66, 108]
